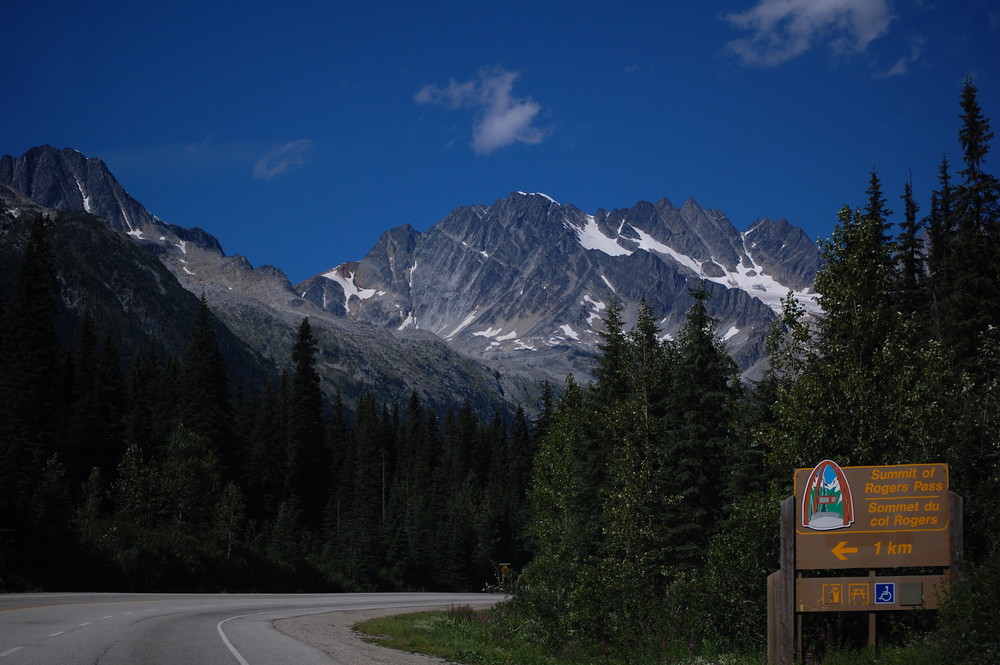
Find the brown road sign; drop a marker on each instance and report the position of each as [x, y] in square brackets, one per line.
[872, 516]
[843, 549]
[869, 594]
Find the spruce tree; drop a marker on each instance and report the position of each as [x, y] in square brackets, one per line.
[940, 225]
[83, 441]
[207, 409]
[877, 209]
[974, 291]
[612, 362]
[567, 531]
[30, 406]
[361, 535]
[648, 369]
[910, 292]
[266, 470]
[308, 466]
[701, 426]
[190, 478]
[855, 286]
[546, 411]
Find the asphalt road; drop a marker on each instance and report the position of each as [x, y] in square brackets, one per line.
[177, 629]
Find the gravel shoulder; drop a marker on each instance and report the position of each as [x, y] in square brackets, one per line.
[333, 633]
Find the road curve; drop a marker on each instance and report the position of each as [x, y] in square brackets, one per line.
[179, 629]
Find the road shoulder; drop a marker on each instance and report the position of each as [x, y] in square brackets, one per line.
[333, 633]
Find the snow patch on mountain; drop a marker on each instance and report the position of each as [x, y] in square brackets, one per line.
[590, 237]
[87, 204]
[750, 278]
[495, 334]
[650, 244]
[767, 289]
[463, 325]
[410, 321]
[596, 307]
[489, 332]
[569, 332]
[350, 288]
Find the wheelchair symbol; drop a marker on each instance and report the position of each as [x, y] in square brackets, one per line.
[885, 593]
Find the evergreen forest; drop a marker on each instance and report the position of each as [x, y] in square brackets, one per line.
[638, 510]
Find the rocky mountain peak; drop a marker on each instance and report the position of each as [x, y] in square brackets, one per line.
[523, 282]
[520, 285]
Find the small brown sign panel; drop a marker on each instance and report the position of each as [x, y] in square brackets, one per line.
[869, 594]
[833, 551]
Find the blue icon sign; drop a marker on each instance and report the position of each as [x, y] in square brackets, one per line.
[885, 593]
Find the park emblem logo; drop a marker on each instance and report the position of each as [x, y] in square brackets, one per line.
[827, 502]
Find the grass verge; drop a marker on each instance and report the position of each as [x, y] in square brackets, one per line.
[465, 635]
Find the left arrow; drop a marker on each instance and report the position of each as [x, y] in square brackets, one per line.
[841, 549]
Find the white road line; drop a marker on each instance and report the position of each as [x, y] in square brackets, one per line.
[229, 645]
[61, 632]
[10, 651]
[110, 616]
[86, 623]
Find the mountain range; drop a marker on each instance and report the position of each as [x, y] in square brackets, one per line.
[483, 306]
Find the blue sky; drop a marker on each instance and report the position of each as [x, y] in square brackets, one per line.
[297, 132]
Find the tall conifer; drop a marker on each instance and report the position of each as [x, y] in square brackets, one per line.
[308, 470]
[910, 290]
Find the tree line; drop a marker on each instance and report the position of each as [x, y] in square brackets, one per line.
[158, 473]
[641, 508]
[656, 489]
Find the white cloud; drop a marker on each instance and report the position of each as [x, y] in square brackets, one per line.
[501, 118]
[282, 160]
[785, 29]
[902, 65]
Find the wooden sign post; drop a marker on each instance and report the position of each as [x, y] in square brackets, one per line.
[864, 517]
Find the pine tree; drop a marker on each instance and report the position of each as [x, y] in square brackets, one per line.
[877, 209]
[613, 361]
[361, 534]
[518, 482]
[545, 413]
[190, 478]
[229, 518]
[112, 405]
[265, 472]
[558, 585]
[911, 292]
[868, 389]
[941, 220]
[977, 197]
[207, 409]
[83, 441]
[855, 286]
[701, 426]
[308, 470]
[30, 390]
[648, 364]
[973, 293]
